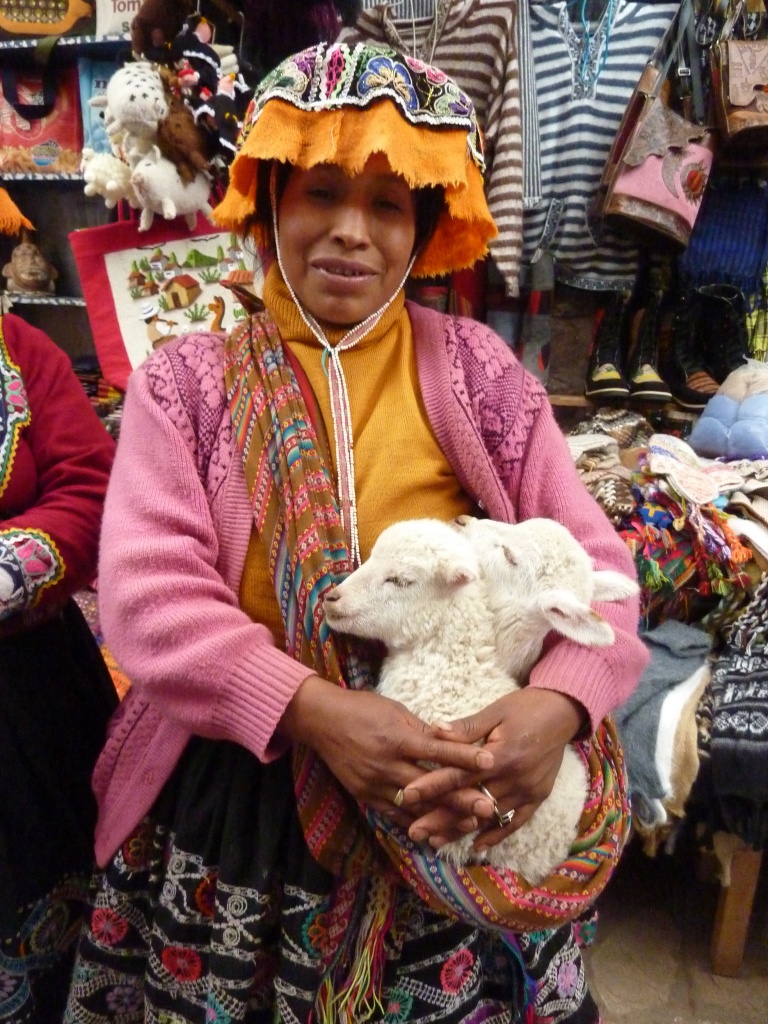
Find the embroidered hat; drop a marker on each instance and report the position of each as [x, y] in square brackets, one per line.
[340, 104]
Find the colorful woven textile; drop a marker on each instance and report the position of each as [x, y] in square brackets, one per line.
[297, 517]
[504, 899]
[341, 104]
[739, 739]
[688, 559]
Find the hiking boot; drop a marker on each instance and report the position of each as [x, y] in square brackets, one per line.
[604, 376]
[685, 365]
[723, 319]
[645, 382]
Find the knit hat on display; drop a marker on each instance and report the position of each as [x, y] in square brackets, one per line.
[340, 104]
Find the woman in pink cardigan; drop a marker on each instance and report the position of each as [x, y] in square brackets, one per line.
[241, 879]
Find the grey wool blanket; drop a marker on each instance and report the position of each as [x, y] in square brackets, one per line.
[677, 651]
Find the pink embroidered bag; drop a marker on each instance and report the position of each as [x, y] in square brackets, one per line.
[660, 161]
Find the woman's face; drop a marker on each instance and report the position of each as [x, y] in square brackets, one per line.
[346, 242]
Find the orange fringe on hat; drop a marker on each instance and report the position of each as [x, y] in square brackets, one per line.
[12, 220]
[347, 137]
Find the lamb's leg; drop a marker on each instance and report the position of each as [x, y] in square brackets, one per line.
[537, 847]
[542, 843]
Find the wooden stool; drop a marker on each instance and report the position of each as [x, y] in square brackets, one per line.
[729, 935]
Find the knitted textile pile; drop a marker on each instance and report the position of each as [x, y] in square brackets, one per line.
[739, 738]
[689, 560]
[595, 445]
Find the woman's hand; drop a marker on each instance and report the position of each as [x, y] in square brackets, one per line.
[375, 746]
[526, 731]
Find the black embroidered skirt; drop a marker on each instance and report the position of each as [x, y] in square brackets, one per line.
[56, 697]
[214, 911]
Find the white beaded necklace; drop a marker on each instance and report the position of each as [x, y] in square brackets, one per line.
[341, 414]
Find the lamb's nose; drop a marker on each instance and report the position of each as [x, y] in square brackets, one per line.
[332, 595]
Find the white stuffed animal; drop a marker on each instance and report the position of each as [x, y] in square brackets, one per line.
[108, 176]
[423, 594]
[136, 103]
[160, 189]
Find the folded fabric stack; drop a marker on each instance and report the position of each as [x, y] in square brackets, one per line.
[596, 446]
[739, 729]
[690, 561]
[658, 728]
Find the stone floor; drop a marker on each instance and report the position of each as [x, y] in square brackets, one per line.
[650, 961]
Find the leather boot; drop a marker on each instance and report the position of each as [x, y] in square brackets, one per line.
[604, 376]
[723, 321]
[685, 364]
[645, 383]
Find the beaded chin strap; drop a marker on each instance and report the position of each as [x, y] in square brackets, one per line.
[341, 413]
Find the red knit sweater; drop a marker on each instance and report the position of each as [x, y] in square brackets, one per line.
[55, 460]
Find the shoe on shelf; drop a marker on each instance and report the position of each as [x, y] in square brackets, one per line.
[685, 364]
[604, 375]
[723, 320]
[606, 381]
[646, 385]
[645, 382]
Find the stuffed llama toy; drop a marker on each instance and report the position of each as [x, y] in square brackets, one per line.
[160, 189]
[423, 594]
[106, 175]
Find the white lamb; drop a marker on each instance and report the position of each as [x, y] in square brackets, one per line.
[423, 593]
[540, 578]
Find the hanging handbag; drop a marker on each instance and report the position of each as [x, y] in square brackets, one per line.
[660, 161]
[145, 288]
[41, 131]
[740, 88]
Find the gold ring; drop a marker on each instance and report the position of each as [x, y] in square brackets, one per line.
[399, 796]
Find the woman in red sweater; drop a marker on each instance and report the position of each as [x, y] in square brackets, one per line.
[55, 692]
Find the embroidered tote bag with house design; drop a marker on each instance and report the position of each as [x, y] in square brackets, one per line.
[143, 289]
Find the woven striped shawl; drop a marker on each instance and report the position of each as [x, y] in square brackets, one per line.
[297, 517]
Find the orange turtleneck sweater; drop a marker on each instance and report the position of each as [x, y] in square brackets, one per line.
[400, 471]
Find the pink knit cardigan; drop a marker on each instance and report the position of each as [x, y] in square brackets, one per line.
[176, 527]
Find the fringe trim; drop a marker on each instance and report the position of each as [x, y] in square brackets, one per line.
[347, 138]
[358, 997]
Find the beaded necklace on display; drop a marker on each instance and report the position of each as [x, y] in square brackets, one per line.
[341, 414]
[437, 11]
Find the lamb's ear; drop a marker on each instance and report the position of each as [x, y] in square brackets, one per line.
[457, 573]
[612, 586]
[572, 618]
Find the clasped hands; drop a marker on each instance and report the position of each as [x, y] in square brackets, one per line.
[377, 750]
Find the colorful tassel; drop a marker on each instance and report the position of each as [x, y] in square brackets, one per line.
[358, 997]
[12, 220]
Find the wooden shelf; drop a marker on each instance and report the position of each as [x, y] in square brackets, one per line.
[571, 401]
[33, 299]
[64, 176]
[668, 409]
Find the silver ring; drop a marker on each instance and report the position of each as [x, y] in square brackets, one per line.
[399, 796]
[490, 796]
[504, 819]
